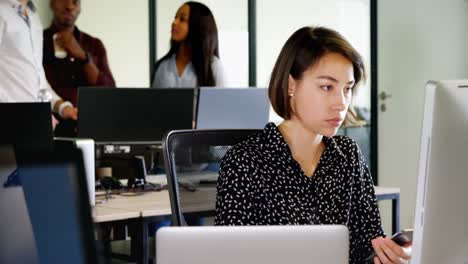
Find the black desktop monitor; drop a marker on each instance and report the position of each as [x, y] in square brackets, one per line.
[112, 115]
[26, 126]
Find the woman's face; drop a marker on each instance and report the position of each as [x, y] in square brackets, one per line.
[321, 98]
[180, 25]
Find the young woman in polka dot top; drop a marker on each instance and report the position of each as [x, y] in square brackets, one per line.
[300, 173]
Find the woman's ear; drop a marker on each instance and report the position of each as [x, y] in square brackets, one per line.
[292, 83]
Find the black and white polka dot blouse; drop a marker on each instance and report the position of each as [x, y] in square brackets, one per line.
[261, 184]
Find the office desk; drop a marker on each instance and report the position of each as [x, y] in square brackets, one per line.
[387, 193]
[125, 207]
[103, 214]
[140, 211]
[154, 206]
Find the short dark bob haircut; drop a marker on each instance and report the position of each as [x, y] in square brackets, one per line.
[301, 51]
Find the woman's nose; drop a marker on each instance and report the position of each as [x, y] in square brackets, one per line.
[340, 102]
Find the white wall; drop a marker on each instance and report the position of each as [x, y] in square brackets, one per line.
[44, 12]
[418, 40]
[127, 42]
[123, 27]
[278, 19]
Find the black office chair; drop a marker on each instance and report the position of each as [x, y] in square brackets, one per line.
[192, 159]
[361, 134]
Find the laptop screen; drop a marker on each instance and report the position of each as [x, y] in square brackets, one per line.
[110, 115]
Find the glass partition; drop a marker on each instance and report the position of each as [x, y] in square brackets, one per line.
[233, 36]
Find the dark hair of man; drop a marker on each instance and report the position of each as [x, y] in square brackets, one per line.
[301, 51]
[203, 41]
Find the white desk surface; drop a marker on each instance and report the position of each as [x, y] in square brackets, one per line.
[157, 203]
[386, 190]
[105, 214]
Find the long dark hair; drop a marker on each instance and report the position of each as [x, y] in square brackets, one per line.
[203, 40]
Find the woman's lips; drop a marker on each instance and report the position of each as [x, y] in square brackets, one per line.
[336, 122]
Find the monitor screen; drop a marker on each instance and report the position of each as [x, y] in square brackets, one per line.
[47, 219]
[110, 115]
[56, 196]
[441, 216]
[232, 108]
[27, 126]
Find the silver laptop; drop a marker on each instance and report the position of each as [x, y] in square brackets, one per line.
[236, 108]
[253, 244]
[441, 216]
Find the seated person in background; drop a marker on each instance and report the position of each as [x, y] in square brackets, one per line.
[193, 59]
[300, 173]
[72, 58]
[22, 77]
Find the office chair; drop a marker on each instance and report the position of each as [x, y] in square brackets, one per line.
[192, 159]
[361, 134]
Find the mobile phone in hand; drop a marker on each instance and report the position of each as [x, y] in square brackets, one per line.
[403, 238]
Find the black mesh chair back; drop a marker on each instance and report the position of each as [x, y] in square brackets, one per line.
[192, 160]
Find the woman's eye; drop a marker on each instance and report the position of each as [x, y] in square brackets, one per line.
[348, 89]
[325, 87]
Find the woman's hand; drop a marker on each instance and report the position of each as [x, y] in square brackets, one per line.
[390, 252]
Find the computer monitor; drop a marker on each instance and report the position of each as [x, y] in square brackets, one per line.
[253, 244]
[28, 129]
[236, 108]
[27, 126]
[56, 196]
[441, 216]
[112, 115]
